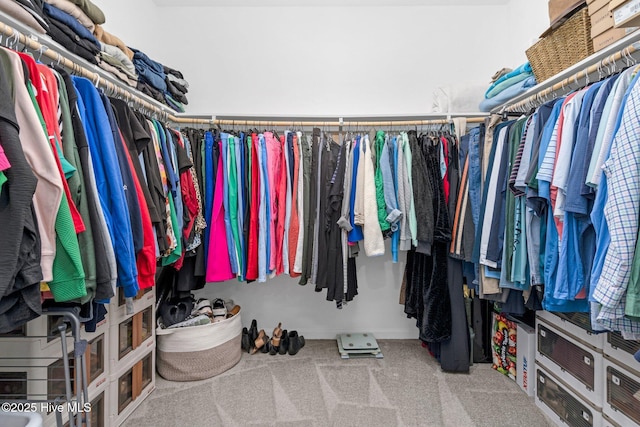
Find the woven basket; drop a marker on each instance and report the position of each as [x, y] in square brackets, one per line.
[198, 352]
[566, 45]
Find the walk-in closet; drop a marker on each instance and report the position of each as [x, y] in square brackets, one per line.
[319, 213]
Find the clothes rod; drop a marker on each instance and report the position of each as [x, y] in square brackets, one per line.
[605, 67]
[383, 123]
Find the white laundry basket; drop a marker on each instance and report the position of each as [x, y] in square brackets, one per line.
[198, 352]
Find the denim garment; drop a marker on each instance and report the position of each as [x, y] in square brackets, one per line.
[393, 214]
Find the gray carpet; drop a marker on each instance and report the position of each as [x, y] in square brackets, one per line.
[316, 387]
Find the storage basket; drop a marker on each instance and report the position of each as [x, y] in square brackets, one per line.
[198, 352]
[561, 48]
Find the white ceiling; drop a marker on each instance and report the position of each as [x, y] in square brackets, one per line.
[320, 3]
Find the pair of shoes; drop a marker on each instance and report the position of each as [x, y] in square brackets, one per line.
[275, 340]
[261, 343]
[291, 342]
[219, 310]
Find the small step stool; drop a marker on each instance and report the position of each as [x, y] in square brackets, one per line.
[358, 345]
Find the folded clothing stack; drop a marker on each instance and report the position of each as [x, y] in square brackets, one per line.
[71, 34]
[160, 82]
[507, 84]
[77, 26]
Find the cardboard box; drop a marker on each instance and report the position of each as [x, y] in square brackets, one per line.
[596, 5]
[627, 14]
[601, 21]
[610, 36]
[560, 8]
[526, 358]
[504, 345]
[613, 4]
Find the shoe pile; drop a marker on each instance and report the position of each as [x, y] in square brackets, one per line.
[281, 341]
[184, 312]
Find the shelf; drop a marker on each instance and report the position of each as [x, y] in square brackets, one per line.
[604, 54]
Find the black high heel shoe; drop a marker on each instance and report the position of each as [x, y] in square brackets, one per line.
[246, 341]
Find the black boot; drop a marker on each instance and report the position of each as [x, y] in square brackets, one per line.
[284, 343]
[253, 333]
[295, 343]
[265, 348]
[245, 343]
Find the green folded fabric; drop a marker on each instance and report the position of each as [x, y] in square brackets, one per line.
[92, 11]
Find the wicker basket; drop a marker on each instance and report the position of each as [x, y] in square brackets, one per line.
[198, 352]
[561, 48]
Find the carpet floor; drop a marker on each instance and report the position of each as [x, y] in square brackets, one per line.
[318, 388]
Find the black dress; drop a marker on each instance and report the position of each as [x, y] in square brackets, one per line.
[428, 298]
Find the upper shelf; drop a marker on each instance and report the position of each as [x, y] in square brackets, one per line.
[325, 3]
[602, 55]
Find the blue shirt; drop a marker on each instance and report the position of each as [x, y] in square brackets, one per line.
[621, 209]
[109, 182]
[578, 239]
[131, 195]
[355, 235]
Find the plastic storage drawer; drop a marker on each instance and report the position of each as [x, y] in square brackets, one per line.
[622, 398]
[579, 364]
[562, 404]
[622, 350]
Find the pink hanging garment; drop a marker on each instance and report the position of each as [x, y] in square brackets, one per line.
[218, 263]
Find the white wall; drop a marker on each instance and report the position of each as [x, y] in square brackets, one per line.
[327, 61]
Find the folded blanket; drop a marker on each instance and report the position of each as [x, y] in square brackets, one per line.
[507, 94]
